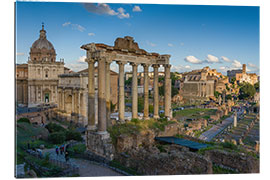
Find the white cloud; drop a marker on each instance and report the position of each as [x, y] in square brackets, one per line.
[74, 26]
[212, 59]
[77, 67]
[171, 45]
[236, 64]
[20, 54]
[102, 8]
[252, 65]
[78, 27]
[81, 59]
[91, 34]
[66, 24]
[182, 44]
[193, 60]
[225, 59]
[136, 9]
[224, 69]
[151, 44]
[180, 68]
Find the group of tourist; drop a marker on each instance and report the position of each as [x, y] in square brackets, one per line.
[63, 149]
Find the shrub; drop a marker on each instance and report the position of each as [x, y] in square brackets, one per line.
[77, 149]
[57, 137]
[73, 135]
[229, 145]
[24, 120]
[52, 127]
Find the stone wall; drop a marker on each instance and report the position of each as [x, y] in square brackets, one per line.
[239, 162]
[144, 138]
[153, 162]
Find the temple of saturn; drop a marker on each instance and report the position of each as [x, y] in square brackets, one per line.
[124, 51]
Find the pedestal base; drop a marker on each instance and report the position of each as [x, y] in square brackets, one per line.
[99, 145]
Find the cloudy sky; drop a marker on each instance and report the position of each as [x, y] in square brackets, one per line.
[222, 37]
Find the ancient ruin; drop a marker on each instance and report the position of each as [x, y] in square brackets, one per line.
[124, 51]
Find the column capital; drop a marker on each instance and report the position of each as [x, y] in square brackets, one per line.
[167, 65]
[120, 63]
[133, 64]
[90, 60]
[145, 65]
[155, 65]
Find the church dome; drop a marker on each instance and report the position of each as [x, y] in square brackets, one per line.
[42, 49]
[42, 43]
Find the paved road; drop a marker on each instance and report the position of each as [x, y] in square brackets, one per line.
[216, 129]
[86, 168]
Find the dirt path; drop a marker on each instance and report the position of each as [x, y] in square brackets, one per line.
[86, 168]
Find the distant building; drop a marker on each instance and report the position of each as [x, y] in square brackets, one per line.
[201, 84]
[241, 75]
[73, 95]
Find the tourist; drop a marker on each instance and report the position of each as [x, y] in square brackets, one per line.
[67, 156]
[62, 149]
[57, 150]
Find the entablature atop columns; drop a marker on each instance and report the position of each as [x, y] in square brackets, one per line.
[125, 50]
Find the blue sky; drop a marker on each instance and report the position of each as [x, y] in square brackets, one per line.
[222, 37]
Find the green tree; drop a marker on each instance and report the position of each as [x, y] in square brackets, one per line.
[129, 81]
[216, 94]
[233, 80]
[246, 91]
[257, 86]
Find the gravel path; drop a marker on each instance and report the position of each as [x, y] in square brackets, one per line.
[86, 168]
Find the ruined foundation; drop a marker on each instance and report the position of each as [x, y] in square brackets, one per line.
[99, 146]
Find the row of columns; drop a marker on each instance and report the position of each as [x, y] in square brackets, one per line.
[104, 102]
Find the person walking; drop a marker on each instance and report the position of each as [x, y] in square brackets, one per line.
[57, 150]
[67, 156]
[61, 149]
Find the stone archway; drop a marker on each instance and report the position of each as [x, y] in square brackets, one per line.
[68, 104]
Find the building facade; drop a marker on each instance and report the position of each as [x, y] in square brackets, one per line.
[43, 71]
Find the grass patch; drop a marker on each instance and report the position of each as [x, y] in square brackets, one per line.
[135, 126]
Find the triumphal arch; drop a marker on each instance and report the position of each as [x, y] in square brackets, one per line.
[124, 51]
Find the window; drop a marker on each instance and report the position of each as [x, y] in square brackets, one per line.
[46, 73]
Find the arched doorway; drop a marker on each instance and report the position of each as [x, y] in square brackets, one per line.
[47, 96]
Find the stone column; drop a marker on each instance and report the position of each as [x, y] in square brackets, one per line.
[63, 100]
[156, 95]
[235, 119]
[134, 91]
[72, 102]
[108, 93]
[91, 94]
[121, 91]
[36, 94]
[167, 92]
[79, 103]
[146, 91]
[101, 96]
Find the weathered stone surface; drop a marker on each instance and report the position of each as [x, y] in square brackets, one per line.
[100, 144]
[152, 162]
[240, 162]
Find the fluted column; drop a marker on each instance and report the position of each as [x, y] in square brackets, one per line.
[156, 95]
[121, 91]
[167, 92]
[101, 96]
[134, 91]
[91, 94]
[146, 91]
[108, 93]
